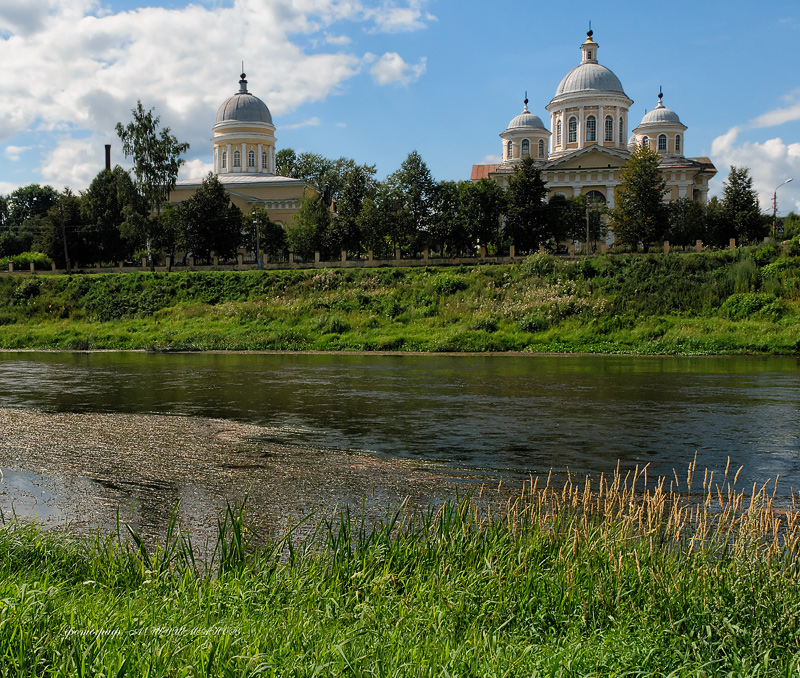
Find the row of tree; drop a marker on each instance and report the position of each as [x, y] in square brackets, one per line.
[121, 217]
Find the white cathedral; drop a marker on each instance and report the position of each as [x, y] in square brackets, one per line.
[589, 145]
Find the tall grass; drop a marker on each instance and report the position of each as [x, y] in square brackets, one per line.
[626, 575]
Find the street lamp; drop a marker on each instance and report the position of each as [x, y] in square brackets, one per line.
[775, 206]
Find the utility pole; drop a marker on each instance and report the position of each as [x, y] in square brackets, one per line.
[775, 207]
[64, 233]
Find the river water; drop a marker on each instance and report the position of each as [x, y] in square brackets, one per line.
[90, 430]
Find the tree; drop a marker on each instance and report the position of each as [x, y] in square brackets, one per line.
[156, 161]
[272, 237]
[62, 222]
[687, 222]
[27, 208]
[640, 214]
[358, 185]
[740, 206]
[408, 197]
[211, 223]
[526, 217]
[103, 211]
[308, 232]
[483, 203]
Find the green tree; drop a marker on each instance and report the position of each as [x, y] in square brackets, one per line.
[526, 214]
[211, 223]
[27, 208]
[103, 211]
[358, 185]
[740, 207]
[271, 236]
[687, 222]
[640, 214]
[483, 203]
[156, 160]
[409, 201]
[373, 226]
[448, 230]
[63, 221]
[308, 231]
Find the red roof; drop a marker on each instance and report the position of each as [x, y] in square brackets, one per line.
[482, 171]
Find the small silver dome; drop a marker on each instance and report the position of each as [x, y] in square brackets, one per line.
[526, 119]
[660, 114]
[589, 76]
[244, 107]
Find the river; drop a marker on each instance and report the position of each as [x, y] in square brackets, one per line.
[86, 432]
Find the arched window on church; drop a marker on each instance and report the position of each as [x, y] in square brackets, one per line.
[646, 141]
[621, 130]
[526, 148]
[224, 159]
[509, 151]
[558, 134]
[591, 128]
[264, 160]
[677, 143]
[541, 148]
[251, 158]
[662, 142]
[237, 159]
[573, 130]
[609, 124]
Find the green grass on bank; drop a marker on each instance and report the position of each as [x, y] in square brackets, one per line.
[575, 581]
[743, 301]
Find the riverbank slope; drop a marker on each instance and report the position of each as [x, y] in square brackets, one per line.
[742, 301]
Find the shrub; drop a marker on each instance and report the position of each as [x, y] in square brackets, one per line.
[742, 306]
[25, 259]
[765, 254]
[533, 323]
[446, 284]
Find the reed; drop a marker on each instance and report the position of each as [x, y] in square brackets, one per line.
[686, 575]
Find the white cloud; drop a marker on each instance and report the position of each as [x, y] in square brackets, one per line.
[311, 122]
[71, 67]
[74, 162]
[341, 124]
[771, 162]
[389, 18]
[195, 170]
[491, 160]
[7, 187]
[391, 68]
[14, 152]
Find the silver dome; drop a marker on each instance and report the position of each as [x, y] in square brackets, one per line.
[526, 119]
[589, 76]
[660, 114]
[244, 107]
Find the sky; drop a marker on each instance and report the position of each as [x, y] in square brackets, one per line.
[375, 79]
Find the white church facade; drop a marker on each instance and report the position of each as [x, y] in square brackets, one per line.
[587, 144]
[244, 160]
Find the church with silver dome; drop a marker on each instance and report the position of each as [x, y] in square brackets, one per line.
[244, 160]
[587, 144]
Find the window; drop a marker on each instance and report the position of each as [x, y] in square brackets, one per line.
[509, 151]
[609, 128]
[645, 141]
[224, 159]
[573, 130]
[526, 147]
[237, 159]
[251, 158]
[677, 143]
[662, 142]
[264, 160]
[591, 128]
[558, 134]
[588, 54]
[621, 130]
[541, 148]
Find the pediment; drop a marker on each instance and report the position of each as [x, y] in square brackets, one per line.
[594, 157]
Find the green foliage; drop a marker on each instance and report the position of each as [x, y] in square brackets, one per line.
[23, 260]
[765, 254]
[527, 224]
[640, 215]
[746, 305]
[211, 222]
[308, 231]
[740, 206]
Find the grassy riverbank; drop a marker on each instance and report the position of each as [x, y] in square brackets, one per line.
[567, 581]
[743, 301]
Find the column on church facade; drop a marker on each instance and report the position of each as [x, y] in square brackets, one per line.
[601, 126]
[581, 127]
[229, 160]
[259, 168]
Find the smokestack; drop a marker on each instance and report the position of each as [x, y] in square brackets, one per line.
[108, 157]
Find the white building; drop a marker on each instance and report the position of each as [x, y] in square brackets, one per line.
[588, 145]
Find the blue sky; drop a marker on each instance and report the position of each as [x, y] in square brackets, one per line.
[375, 79]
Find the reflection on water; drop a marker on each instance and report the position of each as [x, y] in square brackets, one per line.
[495, 415]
